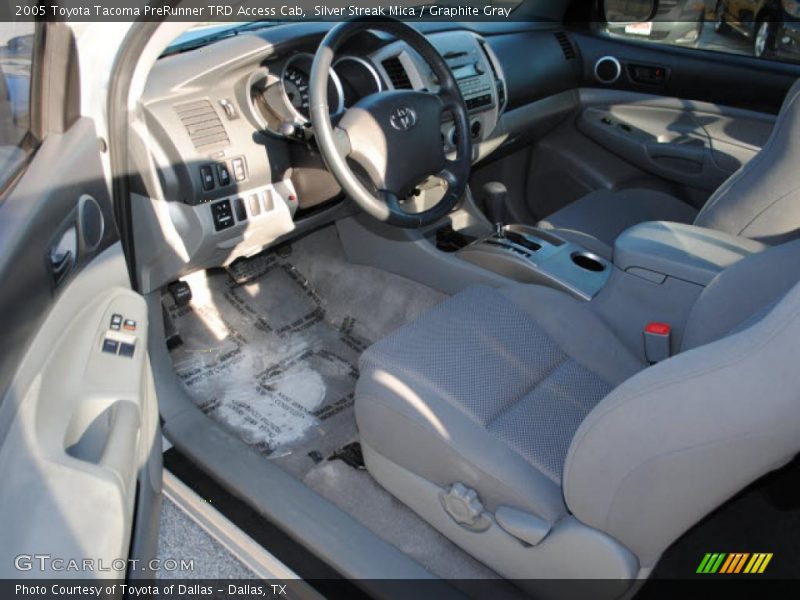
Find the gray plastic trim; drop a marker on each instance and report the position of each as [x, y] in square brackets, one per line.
[571, 550]
[554, 264]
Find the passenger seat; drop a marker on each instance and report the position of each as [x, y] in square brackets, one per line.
[760, 201]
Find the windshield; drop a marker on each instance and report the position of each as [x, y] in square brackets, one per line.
[205, 33]
[210, 31]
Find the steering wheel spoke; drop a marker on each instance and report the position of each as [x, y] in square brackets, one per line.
[342, 141]
[449, 173]
[391, 200]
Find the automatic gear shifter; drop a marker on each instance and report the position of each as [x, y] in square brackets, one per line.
[494, 202]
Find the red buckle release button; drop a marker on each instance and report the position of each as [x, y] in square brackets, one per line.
[658, 329]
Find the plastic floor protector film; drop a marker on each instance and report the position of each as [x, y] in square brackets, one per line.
[274, 359]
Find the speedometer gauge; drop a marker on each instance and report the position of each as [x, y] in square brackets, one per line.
[295, 85]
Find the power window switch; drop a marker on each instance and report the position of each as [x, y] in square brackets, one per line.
[126, 349]
[116, 322]
[110, 346]
[129, 325]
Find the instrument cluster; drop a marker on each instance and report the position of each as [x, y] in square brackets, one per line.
[282, 102]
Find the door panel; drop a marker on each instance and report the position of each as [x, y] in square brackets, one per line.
[79, 425]
[702, 75]
[79, 437]
[689, 143]
[676, 120]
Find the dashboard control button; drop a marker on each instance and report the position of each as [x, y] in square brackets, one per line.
[241, 210]
[110, 346]
[223, 174]
[222, 214]
[239, 169]
[126, 350]
[207, 177]
[475, 129]
[116, 322]
[255, 205]
[230, 110]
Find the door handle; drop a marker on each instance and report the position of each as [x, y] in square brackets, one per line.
[63, 254]
[694, 153]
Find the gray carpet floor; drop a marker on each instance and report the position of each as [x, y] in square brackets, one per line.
[275, 361]
[182, 539]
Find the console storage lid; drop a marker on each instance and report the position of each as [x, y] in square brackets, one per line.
[694, 254]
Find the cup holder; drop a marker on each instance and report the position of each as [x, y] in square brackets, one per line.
[588, 262]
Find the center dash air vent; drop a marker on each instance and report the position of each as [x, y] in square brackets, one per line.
[397, 73]
[202, 124]
[566, 45]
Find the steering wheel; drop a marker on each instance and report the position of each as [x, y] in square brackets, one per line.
[393, 136]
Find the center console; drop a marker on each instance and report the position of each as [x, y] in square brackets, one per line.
[659, 269]
[531, 255]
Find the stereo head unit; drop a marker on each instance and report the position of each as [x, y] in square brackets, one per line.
[475, 84]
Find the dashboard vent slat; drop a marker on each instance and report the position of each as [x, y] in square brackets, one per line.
[397, 73]
[566, 45]
[203, 124]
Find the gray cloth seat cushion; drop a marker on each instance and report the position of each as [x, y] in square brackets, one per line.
[595, 220]
[483, 392]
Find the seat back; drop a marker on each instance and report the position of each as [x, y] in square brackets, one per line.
[678, 439]
[762, 199]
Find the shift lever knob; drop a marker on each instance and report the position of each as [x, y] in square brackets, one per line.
[494, 202]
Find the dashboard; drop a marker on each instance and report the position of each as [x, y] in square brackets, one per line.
[229, 135]
[279, 95]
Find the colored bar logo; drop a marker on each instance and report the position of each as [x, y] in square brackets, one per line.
[734, 563]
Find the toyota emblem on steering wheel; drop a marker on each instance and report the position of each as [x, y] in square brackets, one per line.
[403, 118]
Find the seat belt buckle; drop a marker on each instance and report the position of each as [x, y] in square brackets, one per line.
[657, 342]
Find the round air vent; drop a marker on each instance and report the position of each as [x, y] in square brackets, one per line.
[90, 222]
[607, 70]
